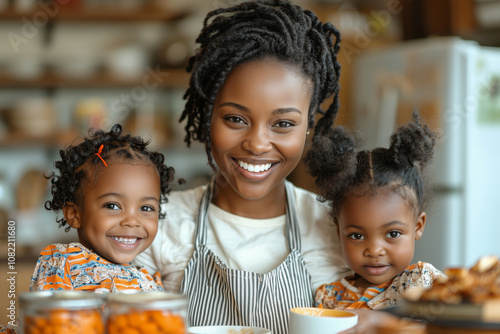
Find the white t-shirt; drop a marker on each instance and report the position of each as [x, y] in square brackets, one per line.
[257, 245]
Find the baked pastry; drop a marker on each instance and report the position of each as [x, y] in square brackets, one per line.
[477, 284]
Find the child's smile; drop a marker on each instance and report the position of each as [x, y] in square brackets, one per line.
[127, 243]
[378, 234]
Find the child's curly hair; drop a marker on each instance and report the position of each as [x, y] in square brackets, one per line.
[256, 30]
[341, 171]
[78, 163]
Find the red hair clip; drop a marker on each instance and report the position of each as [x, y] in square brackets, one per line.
[99, 155]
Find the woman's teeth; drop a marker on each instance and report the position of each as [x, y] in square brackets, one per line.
[254, 168]
[127, 241]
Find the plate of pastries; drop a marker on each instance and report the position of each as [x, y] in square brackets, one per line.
[466, 297]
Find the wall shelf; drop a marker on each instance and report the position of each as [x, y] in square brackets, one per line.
[146, 13]
[62, 138]
[166, 78]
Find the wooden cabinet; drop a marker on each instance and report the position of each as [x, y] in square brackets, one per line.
[41, 26]
[23, 151]
[476, 20]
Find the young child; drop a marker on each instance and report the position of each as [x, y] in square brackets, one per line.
[377, 199]
[109, 188]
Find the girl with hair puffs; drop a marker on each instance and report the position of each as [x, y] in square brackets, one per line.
[250, 245]
[109, 188]
[377, 199]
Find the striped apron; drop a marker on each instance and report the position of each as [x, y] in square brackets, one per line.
[219, 295]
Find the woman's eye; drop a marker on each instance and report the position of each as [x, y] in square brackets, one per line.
[284, 124]
[393, 234]
[235, 119]
[356, 236]
[111, 206]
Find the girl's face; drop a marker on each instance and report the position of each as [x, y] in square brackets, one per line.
[378, 235]
[118, 216]
[259, 126]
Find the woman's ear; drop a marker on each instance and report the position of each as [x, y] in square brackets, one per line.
[72, 214]
[420, 225]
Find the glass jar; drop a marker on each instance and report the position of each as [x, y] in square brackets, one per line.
[147, 313]
[59, 312]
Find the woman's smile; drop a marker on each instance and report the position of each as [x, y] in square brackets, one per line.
[256, 168]
[255, 171]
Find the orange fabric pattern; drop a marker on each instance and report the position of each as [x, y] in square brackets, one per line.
[344, 295]
[74, 267]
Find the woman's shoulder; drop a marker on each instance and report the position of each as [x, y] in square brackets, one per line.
[308, 198]
[179, 223]
[311, 211]
[188, 199]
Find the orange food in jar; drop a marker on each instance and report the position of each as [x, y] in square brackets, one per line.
[61, 312]
[146, 322]
[147, 313]
[64, 321]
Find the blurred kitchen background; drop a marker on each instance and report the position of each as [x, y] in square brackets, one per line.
[69, 65]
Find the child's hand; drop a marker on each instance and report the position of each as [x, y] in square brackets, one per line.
[368, 320]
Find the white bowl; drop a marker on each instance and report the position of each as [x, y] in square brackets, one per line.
[318, 320]
[227, 330]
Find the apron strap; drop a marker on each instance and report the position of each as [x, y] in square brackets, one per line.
[292, 226]
[201, 226]
[292, 229]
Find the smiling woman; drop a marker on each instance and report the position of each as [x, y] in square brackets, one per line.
[259, 125]
[249, 246]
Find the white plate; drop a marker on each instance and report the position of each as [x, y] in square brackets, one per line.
[227, 330]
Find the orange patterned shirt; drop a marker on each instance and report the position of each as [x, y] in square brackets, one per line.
[344, 295]
[74, 267]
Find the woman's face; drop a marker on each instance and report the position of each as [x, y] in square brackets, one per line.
[259, 126]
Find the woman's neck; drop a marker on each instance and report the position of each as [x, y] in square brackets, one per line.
[273, 204]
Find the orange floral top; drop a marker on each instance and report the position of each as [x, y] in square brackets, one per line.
[74, 267]
[343, 295]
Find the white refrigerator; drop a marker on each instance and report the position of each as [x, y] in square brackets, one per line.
[455, 84]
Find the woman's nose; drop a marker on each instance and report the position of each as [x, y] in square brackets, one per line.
[257, 141]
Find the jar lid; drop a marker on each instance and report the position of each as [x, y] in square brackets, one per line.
[67, 299]
[148, 300]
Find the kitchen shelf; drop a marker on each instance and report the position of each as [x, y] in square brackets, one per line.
[145, 13]
[61, 138]
[19, 140]
[168, 78]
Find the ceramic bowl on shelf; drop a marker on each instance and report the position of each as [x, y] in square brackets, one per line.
[26, 67]
[128, 61]
[227, 330]
[35, 117]
[75, 67]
